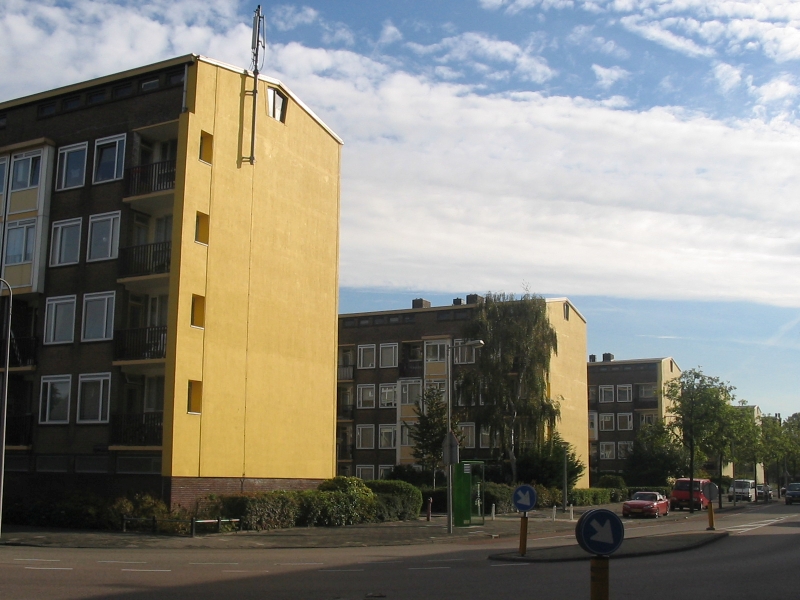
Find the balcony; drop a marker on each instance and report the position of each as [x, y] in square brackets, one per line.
[148, 179]
[411, 368]
[145, 343]
[19, 430]
[23, 352]
[344, 373]
[646, 403]
[344, 452]
[345, 413]
[144, 429]
[147, 259]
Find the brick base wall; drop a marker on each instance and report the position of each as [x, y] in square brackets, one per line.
[187, 491]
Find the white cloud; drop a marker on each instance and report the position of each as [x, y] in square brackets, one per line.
[606, 77]
[779, 88]
[287, 17]
[654, 32]
[581, 35]
[389, 34]
[338, 33]
[728, 77]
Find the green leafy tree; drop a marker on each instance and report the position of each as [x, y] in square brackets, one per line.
[511, 370]
[657, 456]
[748, 443]
[429, 432]
[774, 441]
[544, 465]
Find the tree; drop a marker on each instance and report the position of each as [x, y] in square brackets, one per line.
[511, 370]
[545, 465]
[429, 432]
[657, 456]
[699, 402]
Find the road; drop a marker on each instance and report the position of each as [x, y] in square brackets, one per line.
[759, 557]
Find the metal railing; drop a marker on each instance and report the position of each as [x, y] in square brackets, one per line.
[147, 259]
[346, 413]
[23, 352]
[19, 430]
[140, 344]
[138, 429]
[344, 373]
[146, 179]
[344, 452]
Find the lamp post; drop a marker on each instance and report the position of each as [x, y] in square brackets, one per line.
[4, 408]
[468, 344]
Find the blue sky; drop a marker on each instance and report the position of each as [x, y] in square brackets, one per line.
[638, 156]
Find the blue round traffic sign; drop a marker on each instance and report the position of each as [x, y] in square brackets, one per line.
[600, 532]
[524, 498]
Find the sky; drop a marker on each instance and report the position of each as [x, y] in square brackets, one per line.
[637, 156]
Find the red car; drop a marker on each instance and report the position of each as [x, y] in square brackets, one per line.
[646, 504]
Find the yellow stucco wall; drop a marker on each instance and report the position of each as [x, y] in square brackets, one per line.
[568, 380]
[269, 276]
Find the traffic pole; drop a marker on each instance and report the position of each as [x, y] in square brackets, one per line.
[523, 534]
[710, 517]
[599, 578]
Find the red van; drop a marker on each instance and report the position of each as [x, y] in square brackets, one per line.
[680, 494]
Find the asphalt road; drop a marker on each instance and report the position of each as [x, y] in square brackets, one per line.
[758, 558]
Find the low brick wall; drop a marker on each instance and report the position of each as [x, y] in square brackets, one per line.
[187, 491]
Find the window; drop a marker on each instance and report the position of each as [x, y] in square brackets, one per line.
[486, 437]
[625, 421]
[195, 397]
[592, 393]
[154, 394]
[277, 104]
[624, 449]
[149, 85]
[592, 425]
[387, 437]
[647, 390]
[175, 77]
[54, 402]
[468, 434]
[109, 158]
[71, 169]
[624, 393]
[435, 351]
[410, 391]
[607, 422]
[198, 311]
[25, 170]
[91, 464]
[388, 355]
[206, 147]
[93, 395]
[103, 236]
[21, 239]
[365, 396]
[71, 103]
[122, 90]
[201, 228]
[388, 395]
[98, 316]
[463, 354]
[606, 393]
[95, 97]
[607, 450]
[65, 244]
[365, 472]
[3, 121]
[405, 434]
[647, 419]
[566, 311]
[139, 465]
[365, 437]
[385, 471]
[366, 357]
[440, 385]
[52, 464]
[47, 110]
[59, 320]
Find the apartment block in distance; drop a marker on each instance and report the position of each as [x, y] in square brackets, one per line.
[623, 396]
[175, 302]
[387, 358]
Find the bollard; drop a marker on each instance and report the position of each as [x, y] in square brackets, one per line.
[554, 513]
[155, 525]
[523, 534]
[571, 513]
[124, 524]
[493, 512]
[219, 524]
[710, 517]
[599, 578]
[194, 526]
[430, 508]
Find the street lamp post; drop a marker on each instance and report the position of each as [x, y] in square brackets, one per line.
[450, 360]
[4, 407]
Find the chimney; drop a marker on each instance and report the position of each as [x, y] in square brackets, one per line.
[608, 357]
[592, 358]
[456, 301]
[420, 303]
[474, 299]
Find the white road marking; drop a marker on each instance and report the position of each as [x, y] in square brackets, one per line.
[341, 570]
[738, 529]
[378, 562]
[520, 564]
[295, 564]
[50, 568]
[39, 559]
[124, 562]
[236, 563]
[426, 568]
[241, 571]
[148, 570]
[446, 560]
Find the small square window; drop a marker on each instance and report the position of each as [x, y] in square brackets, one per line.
[410, 392]
[624, 393]
[625, 421]
[175, 78]
[95, 97]
[385, 471]
[366, 357]
[435, 351]
[607, 422]
[277, 105]
[103, 237]
[98, 317]
[365, 437]
[365, 396]
[21, 241]
[54, 399]
[365, 472]
[624, 449]
[606, 393]
[59, 320]
[109, 158]
[463, 354]
[47, 110]
[71, 103]
[388, 395]
[607, 450]
[65, 243]
[468, 434]
[387, 437]
[149, 85]
[25, 170]
[195, 397]
[71, 169]
[388, 355]
[121, 91]
[93, 397]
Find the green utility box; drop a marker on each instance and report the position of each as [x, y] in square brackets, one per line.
[468, 493]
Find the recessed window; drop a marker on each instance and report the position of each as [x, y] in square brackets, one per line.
[277, 105]
[468, 434]
[388, 395]
[647, 391]
[365, 396]
[71, 166]
[405, 434]
[366, 357]
[20, 243]
[175, 78]
[410, 392]
[95, 97]
[387, 437]
[71, 103]
[198, 311]
[93, 397]
[624, 393]
[59, 320]
[149, 85]
[103, 236]
[365, 437]
[195, 404]
[566, 311]
[206, 147]
[462, 354]
[91, 464]
[606, 393]
[366, 472]
[435, 351]
[109, 158]
[647, 419]
[139, 465]
[25, 170]
[54, 399]
[624, 421]
[154, 394]
[592, 426]
[65, 243]
[607, 422]
[47, 110]
[388, 355]
[385, 471]
[624, 449]
[122, 90]
[3, 121]
[607, 450]
[485, 437]
[201, 228]
[98, 317]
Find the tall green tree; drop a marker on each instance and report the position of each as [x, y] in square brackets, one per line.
[657, 456]
[430, 430]
[511, 370]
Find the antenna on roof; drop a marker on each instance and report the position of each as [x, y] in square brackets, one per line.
[258, 41]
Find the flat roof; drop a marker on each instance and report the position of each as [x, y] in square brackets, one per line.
[631, 361]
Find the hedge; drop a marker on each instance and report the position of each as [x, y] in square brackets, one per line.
[499, 494]
[397, 500]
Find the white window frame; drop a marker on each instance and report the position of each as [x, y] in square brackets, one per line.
[384, 469]
[61, 167]
[463, 355]
[601, 394]
[362, 363]
[405, 434]
[385, 388]
[359, 435]
[604, 450]
[108, 325]
[4, 171]
[643, 418]
[113, 250]
[28, 241]
[486, 436]
[624, 454]
[393, 356]
[44, 398]
[404, 387]
[360, 469]
[649, 386]
[621, 416]
[440, 355]
[57, 238]
[592, 388]
[49, 326]
[606, 418]
[22, 157]
[119, 157]
[105, 392]
[468, 433]
[593, 425]
[277, 110]
[387, 428]
[625, 393]
[360, 395]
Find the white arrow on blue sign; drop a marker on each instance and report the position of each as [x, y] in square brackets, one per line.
[600, 532]
[524, 498]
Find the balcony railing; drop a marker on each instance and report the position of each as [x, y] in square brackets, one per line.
[142, 429]
[147, 259]
[646, 403]
[146, 179]
[23, 352]
[345, 413]
[345, 373]
[140, 344]
[19, 430]
[344, 452]
[411, 368]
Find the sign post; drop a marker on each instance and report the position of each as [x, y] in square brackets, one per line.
[711, 491]
[599, 532]
[524, 498]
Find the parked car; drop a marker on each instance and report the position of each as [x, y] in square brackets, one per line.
[646, 504]
[792, 494]
[745, 490]
[764, 492]
[680, 494]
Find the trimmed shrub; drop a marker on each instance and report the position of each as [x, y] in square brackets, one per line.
[408, 501]
[268, 510]
[611, 481]
[500, 495]
[547, 497]
[589, 496]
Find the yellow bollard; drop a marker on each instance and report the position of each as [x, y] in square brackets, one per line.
[710, 517]
[523, 534]
[599, 578]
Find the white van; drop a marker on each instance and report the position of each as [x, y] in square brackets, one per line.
[745, 490]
